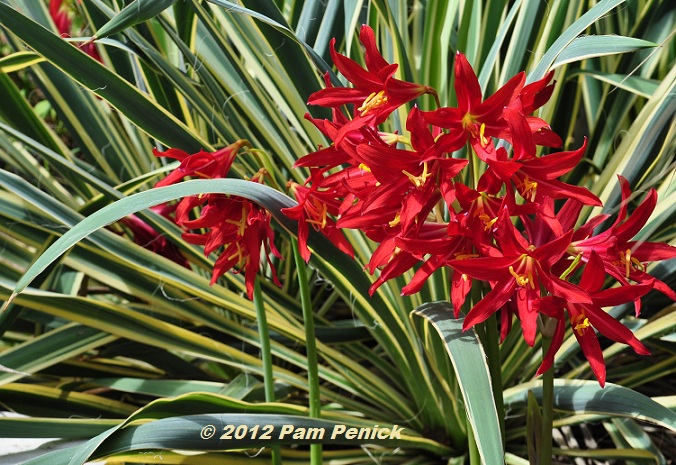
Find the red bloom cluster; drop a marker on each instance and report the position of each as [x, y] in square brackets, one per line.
[236, 228]
[409, 194]
[405, 192]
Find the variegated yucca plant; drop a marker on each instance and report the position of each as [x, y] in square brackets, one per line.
[118, 329]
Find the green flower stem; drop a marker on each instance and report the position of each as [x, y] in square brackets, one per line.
[493, 354]
[312, 364]
[474, 456]
[547, 409]
[266, 356]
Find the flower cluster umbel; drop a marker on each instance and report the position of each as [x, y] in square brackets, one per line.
[406, 193]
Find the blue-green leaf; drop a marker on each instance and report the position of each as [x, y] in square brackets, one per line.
[574, 30]
[587, 397]
[469, 363]
[265, 196]
[595, 46]
[134, 13]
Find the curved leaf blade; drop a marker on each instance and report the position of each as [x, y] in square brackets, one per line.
[134, 13]
[586, 47]
[569, 35]
[469, 363]
[587, 397]
[18, 61]
[265, 196]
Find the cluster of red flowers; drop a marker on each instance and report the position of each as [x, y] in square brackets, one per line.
[405, 193]
[236, 227]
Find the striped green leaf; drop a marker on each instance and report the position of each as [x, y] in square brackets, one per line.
[108, 85]
[587, 397]
[135, 12]
[473, 375]
[585, 47]
[18, 61]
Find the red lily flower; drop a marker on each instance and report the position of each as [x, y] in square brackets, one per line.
[518, 270]
[535, 178]
[237, 226]
[407, 187]
[532, 97]
[474, 119]
[205, 165]
[584, 318]
[478, 121]
[375, 92]
[623, 258]
[241, 228]
[314, 208]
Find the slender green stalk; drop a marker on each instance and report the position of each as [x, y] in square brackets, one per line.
[547, 409]
[266, 356]
[312, 364]
[474, 456]
[493, 354]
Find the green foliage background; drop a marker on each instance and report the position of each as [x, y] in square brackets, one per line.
[111, 339]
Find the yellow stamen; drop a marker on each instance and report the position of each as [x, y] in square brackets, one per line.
[581, 323]
[523, 280]
[482, 137]
[373, 101]
[418, 181]
[529, 189]
[395, 221]
[363, 167]
[241, 223]
[630, 262]
[464, 256]
[469, 124]
[321, 210]
[488, 222]
[239, 254]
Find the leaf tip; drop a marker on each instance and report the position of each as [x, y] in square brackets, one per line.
[8, 303]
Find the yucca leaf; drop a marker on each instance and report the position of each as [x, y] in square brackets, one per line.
[635, 84]
[633, 435]
[586, 47]
[473, 375]
[64, 428]
[587, 397]
[569, 35]
[19, 60]
[95, 76]
[32, 398]
[135, 12]
[50, 348]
